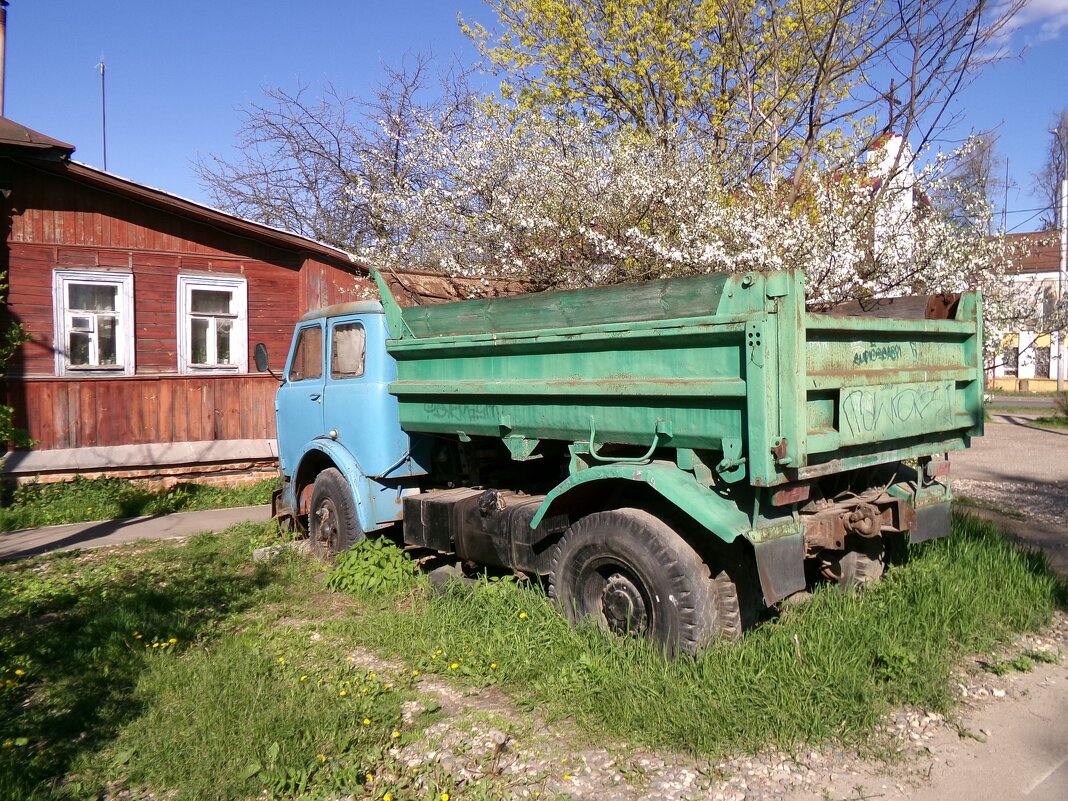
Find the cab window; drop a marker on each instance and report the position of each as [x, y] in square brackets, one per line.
[347, 351]
[308, 356]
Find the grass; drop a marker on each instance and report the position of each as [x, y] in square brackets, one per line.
[826, 670]
[187, 671]
[1049, 422]
[81, 499]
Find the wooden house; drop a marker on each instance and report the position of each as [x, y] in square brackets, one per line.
[142, 310]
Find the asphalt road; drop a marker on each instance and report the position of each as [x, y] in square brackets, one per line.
[1012, 450]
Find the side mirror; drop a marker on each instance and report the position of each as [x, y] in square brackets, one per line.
[260, 355]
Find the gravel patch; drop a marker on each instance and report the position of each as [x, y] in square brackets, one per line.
[1045, 503]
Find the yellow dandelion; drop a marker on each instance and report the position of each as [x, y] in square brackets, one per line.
[387, 797]
[522, 615]
[493, 665]
[370, 778]
[322, 757]
[20, 672]
[444, 797]
[567, 776]
[343, 693]
[173, 640]
[304, 677]
[138, 636]
[454, 665]
[415, 673]
[395, 734]
[281, 660]
[366, 721]
[155, 645]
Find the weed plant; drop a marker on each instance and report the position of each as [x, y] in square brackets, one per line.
[82, 499]
[1060, 403]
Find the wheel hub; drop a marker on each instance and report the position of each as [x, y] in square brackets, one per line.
[327, 528]
[623, 606]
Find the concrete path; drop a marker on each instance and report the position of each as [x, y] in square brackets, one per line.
[1017, 749]
[34, 541]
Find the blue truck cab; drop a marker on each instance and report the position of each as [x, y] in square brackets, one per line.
[337, 423]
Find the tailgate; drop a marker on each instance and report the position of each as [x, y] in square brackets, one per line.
[885, 388]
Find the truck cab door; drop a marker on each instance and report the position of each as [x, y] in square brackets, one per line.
[299, 402]
[359, 410]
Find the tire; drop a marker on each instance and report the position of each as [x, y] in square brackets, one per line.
[332, 522]
[632, 574]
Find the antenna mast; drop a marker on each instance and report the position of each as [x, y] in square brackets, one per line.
[103, 111]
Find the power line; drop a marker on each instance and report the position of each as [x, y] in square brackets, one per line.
[1025, 222]
[1025, 211]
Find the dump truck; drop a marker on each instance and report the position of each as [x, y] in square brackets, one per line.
[672, 457]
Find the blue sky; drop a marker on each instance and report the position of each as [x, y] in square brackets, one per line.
[178, 71]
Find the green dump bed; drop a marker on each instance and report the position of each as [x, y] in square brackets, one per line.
[729, 366]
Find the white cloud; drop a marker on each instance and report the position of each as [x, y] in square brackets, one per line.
[1041, 19]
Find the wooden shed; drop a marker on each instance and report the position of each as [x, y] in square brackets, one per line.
[142, 310]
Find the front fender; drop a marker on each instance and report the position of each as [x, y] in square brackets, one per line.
[354, 477]
[720, 516]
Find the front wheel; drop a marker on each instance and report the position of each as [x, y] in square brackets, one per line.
[632, 574]
[332, 522]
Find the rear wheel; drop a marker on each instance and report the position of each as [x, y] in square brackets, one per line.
[632, 574]
[332, 522]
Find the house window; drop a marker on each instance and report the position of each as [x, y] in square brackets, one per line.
[212, 324]
[93, 321]
[308, 355]
[346, 351]
[1010, 355]
[1042, 357]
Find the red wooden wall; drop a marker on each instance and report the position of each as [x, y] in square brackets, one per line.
[139, 411]
[58, 221]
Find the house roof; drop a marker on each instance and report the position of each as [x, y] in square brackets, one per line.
[15, 137]
[43, 152]
[1043, 251]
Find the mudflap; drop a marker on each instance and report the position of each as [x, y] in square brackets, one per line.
[932, 522]
[781, 566]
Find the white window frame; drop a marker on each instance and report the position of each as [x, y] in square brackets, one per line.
[239, 342]
[124, 321]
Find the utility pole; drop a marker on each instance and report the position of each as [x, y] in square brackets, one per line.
[3, 50]
[1059, 135]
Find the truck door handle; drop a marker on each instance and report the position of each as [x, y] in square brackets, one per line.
[315, 396]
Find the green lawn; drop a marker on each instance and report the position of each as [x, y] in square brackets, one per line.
[186, 669]
[81, 499]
